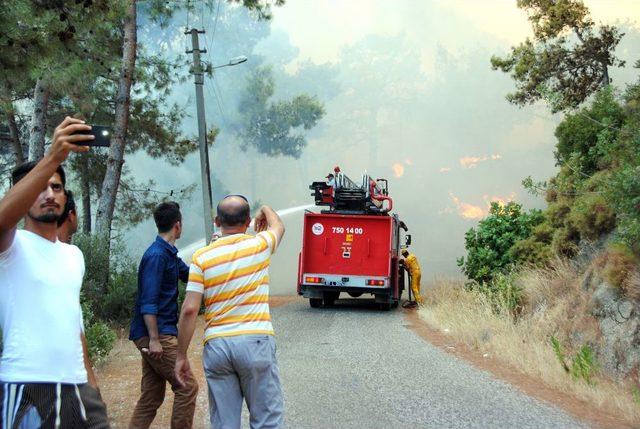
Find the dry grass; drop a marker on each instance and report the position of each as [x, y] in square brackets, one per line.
[554, 305]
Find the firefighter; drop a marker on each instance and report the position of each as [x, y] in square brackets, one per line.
[331, 180]
[411, 263]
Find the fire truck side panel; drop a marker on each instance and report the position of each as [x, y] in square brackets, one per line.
[347, 250]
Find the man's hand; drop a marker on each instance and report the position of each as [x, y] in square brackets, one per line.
[65, 142]
[268, 220]
[260, 222]
[182, 370]
[155, 349]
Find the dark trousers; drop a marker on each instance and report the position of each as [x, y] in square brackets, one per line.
[51, 406]
[155, 375]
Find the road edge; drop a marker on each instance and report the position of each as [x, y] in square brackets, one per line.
[577, 408]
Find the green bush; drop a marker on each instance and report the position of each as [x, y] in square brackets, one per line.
[589, 136]
[100, 338]
[106, 297]
[565, 242]
[111, 297]
[623, 193]
[119, 301]
[592, 216]
[583, 365]
[488, 246]
[557, 213]
[531, 251]
[618, 264]
[505, 293]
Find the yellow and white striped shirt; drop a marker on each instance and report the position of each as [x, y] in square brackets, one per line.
[233, 274]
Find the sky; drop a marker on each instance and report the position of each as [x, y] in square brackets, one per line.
[409, 95]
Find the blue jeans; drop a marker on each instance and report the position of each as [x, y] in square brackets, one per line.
[243, 367]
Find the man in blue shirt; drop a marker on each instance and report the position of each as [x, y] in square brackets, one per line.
[154, 325]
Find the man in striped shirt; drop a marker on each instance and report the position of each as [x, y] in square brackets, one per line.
[232, 274]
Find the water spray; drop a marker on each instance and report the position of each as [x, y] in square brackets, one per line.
[187, 252]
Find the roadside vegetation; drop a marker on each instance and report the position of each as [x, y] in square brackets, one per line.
[552, 307]
[555, 292]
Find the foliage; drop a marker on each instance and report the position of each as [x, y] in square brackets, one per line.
[100, 338]
[110, 297]
[568, 58]
[623, 193]
[590, 135]
[533, 250]
[488, 247]
[596, 193]
[565, 241]
[504, 293]
[618, 264]
[275, 127]
[591, 216]
[583, 365]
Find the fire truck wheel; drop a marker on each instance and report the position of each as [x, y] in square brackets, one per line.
[315, 302]
[384, 306]
[329, 298]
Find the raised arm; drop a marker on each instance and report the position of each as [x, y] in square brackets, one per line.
[19, 199]
[268, 220]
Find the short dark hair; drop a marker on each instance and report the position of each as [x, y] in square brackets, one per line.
[233, 216]
[23, 169]
[69, 206]
[166, 215]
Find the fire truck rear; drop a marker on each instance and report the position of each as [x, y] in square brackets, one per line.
[354, 245]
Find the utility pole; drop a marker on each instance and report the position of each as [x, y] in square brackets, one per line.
[202, 133]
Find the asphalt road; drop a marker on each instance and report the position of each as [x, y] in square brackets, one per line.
[356, 367]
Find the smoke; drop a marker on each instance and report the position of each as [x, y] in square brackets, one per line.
[409, 96]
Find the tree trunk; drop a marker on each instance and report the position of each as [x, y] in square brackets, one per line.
[605, 76]
[107, 202]
[86, 194]
[15, 137]
[38, 120]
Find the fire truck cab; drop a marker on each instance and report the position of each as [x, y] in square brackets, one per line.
[354, 245]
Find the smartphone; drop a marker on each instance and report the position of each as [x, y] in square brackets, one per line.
[101, 133]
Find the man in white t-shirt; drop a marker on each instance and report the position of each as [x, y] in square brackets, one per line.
[46, 380]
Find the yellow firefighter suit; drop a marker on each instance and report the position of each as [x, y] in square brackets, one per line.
[411, 262]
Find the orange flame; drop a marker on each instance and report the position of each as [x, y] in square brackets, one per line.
[468, 211]
[472, 161]
[398, 169]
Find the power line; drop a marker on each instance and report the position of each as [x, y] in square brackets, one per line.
[215, 22]
[219, 90]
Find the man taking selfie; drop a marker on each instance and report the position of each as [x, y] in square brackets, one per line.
[46, 380]
[232, 274]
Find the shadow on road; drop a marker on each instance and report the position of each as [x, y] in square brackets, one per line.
[354, 305]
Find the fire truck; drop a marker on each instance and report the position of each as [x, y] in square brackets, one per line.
[352, 246]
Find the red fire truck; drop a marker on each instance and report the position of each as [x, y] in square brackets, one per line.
[354, 245]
